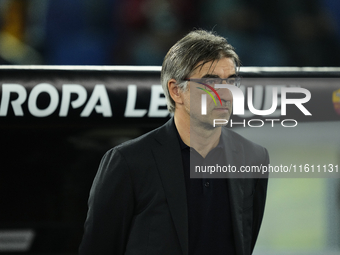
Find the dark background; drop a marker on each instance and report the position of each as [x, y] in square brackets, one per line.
[140, 32]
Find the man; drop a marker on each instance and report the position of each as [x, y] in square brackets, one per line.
[143, 200]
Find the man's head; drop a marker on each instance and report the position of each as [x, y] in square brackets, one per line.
[190, 53]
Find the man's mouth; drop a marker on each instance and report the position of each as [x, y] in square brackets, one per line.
[221, 109]
[225, 107]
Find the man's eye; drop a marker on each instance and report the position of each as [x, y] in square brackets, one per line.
[231, 81]
[210, 81]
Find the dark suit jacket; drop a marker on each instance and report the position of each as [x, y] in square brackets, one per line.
[138, 206]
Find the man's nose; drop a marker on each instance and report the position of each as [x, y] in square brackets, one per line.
[225, 93]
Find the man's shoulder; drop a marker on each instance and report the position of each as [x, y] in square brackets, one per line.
[145, 141]
[143, 150]
[239, 141]
[248, 152]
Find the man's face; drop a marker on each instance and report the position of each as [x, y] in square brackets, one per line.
[223, 68]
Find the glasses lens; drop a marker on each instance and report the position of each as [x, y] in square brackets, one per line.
[231, 81]
[210, 81]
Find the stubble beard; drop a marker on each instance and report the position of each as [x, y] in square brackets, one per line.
[206, 123]
[198, 120]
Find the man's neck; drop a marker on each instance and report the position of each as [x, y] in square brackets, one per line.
[197, 137]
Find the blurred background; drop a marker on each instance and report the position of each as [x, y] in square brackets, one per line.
[302, 215]
[140, 32]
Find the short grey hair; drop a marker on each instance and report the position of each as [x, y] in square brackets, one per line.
[182, 59]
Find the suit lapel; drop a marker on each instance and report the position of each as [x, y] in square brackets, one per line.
[168, 157]
[234, 156]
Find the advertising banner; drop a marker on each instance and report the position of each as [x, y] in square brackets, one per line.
[134, 96]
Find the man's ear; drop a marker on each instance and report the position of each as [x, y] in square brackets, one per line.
[174, 91]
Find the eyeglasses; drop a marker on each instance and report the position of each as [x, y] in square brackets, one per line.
[235, 81]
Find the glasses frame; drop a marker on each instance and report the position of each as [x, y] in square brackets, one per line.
[237, 82]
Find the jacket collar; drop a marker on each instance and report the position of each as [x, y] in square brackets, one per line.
[168, 158]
